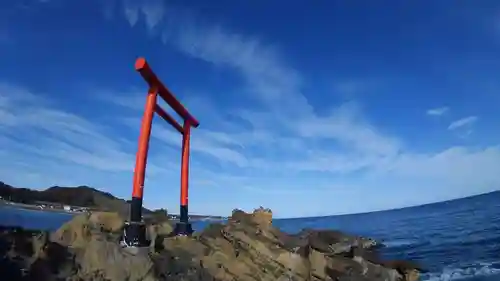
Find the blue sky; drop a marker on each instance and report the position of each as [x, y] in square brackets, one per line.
[309, 108]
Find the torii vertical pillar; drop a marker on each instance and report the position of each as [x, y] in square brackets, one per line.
[134, 234]
[183, 227]
[135, 230]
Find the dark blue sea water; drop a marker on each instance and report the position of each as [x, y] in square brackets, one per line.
[454, 240]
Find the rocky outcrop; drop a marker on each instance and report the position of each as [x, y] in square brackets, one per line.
[247, 247]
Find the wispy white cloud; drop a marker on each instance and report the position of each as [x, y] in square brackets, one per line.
[70, 137]
[152, 11]
[45, 136]
[438, 111]
[277, 88]
[464, 122]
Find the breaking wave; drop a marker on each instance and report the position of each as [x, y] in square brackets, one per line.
[477, 272]
[399, 243]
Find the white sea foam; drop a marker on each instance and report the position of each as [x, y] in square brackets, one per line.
[470, 272]
[399, 242]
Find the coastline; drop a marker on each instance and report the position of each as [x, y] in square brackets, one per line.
[31, 207]
[10, 204]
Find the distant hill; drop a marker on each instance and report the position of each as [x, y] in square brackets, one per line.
[81, 196]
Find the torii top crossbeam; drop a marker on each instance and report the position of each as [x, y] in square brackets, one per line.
[142, 66]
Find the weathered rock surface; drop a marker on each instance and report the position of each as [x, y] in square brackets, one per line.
[247, 247]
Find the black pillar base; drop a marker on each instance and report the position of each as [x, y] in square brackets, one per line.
[134, 235]
[134, 231]
[183, 229]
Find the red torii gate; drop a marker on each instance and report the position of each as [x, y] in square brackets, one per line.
[135, 231]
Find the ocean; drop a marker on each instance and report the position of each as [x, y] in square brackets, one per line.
[453, 240]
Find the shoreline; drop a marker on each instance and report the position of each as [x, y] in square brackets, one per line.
[30, 207]
[21, 206]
